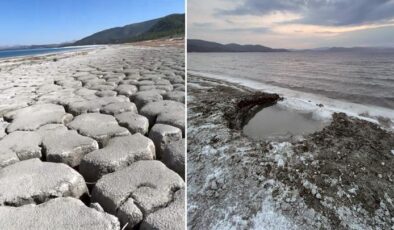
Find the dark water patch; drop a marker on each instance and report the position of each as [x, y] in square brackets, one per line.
[246, 106]
[276, 123]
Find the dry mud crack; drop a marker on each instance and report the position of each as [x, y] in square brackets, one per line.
[68, 129]
[338, 178]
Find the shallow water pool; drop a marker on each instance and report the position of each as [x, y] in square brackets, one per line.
[277, 123]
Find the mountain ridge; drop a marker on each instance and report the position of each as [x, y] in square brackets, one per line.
[172, 25]
[198, 45]
[352, 49]
[167, 26]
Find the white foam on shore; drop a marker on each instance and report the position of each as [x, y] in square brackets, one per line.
[307, 102]
[63, 51]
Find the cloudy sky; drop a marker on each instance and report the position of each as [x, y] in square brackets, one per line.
[293, 23]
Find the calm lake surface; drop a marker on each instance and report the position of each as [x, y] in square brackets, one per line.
[360, 77]
[276, 123]
[28, 52]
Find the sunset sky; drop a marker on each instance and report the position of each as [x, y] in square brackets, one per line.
[293, 23]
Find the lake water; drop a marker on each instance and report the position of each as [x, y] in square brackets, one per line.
[28, 52]
[277, 123]
[359, 77]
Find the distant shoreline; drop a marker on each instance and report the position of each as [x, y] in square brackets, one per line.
[28, 52]
[195, 45]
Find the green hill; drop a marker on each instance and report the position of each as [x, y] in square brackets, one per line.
[168, 26]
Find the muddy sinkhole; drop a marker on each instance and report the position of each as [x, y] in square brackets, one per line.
[280, 124]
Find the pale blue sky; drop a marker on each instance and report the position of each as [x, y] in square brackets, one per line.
[27, 22]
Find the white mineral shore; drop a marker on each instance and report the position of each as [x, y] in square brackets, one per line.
[69, 120]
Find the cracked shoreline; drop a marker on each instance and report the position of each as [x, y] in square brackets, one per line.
[302, 183]
[106, 112]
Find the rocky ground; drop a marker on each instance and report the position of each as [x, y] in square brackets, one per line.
[341, 177]
[93, 139]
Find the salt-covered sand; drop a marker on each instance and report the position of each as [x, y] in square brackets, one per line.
[340, 177]
[87, 134]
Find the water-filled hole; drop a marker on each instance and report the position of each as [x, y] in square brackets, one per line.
[277, 123]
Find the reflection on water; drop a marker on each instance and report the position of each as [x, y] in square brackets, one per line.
[276, 123]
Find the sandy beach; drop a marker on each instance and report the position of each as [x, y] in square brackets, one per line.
[337, 177]
[87, 134]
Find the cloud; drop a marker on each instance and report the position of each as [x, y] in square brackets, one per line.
[203, 24]
[293, 23]
[207, 26]
[259, 30]
[320, 12]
